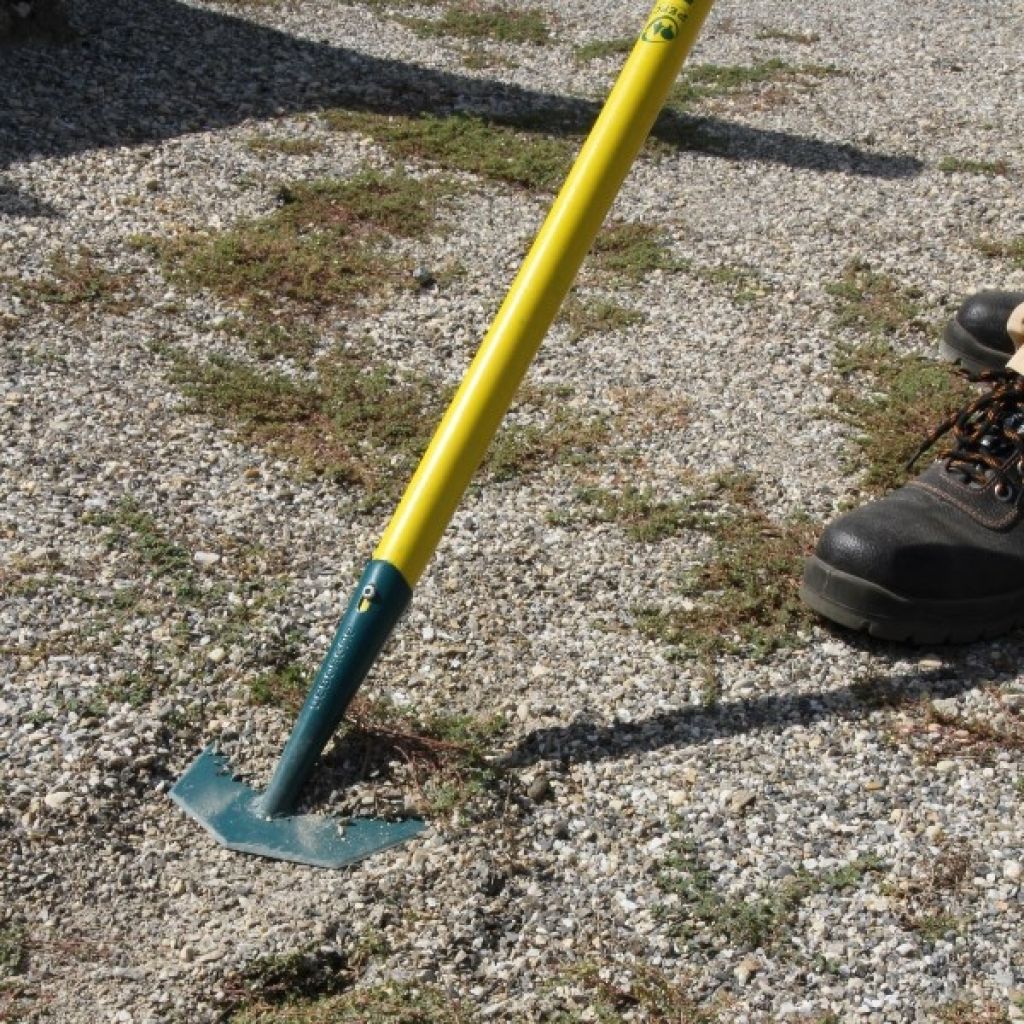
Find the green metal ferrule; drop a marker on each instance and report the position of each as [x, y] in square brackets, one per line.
[376, 605]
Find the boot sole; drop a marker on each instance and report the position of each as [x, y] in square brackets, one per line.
[961, 347]
[859, 604]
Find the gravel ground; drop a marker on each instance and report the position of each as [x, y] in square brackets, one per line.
[634, 820]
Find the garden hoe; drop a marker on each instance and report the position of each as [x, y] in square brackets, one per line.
[266, 823]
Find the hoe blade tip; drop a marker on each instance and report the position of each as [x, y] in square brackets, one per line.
[230, 811]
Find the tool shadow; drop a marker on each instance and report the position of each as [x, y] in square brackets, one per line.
[144, 73]
[585, 740]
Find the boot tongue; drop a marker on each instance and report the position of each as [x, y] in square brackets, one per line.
[1015, 329]
[995, 442]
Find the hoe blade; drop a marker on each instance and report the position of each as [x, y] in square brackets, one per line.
[230, 811]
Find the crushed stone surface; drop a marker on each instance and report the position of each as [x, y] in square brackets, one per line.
[615, 768]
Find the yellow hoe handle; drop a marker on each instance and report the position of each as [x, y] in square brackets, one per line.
[464, 434]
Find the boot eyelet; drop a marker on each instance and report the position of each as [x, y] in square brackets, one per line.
[1003, 491]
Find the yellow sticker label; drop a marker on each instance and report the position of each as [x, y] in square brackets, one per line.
[665, 23]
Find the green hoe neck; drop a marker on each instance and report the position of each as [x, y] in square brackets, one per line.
[376, 605]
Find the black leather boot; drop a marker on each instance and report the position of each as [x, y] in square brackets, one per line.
[976, 337]
[941, 559]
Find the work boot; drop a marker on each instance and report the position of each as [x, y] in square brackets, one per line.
[976, 337]
[941, 559]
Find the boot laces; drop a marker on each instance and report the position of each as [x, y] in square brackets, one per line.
[987, 435]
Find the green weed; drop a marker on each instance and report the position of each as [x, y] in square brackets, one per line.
[446, 753]
[966, 1011]
[352, 420]
[745, 284]
[283, 687]
[135, 690]
[306, 974]
[893, 401]
[357, 422]
[851, 874]
[269, 341]
[704, 914]
[934, 925]
[965, 735]
[926, 905]
[131, 527]
[554, 432]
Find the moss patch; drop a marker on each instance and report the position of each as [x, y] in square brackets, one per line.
[985, 168]
[602, 48]
[505, 23]
[78, 283]
[699, 83]
[597, 315]
[744, 599]
[645, 517]
[467, 143]
[892, 401]
[377, 1004]
[352, 420]
[1011, 249]
[631, 250]
[785, 36]
[615, 994]
[325, 244]
[283, 145]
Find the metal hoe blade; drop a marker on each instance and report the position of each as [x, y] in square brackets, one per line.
[231, 812]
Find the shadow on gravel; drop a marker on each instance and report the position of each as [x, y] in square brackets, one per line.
[586, 740]
[14, 203]
[139, 73]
